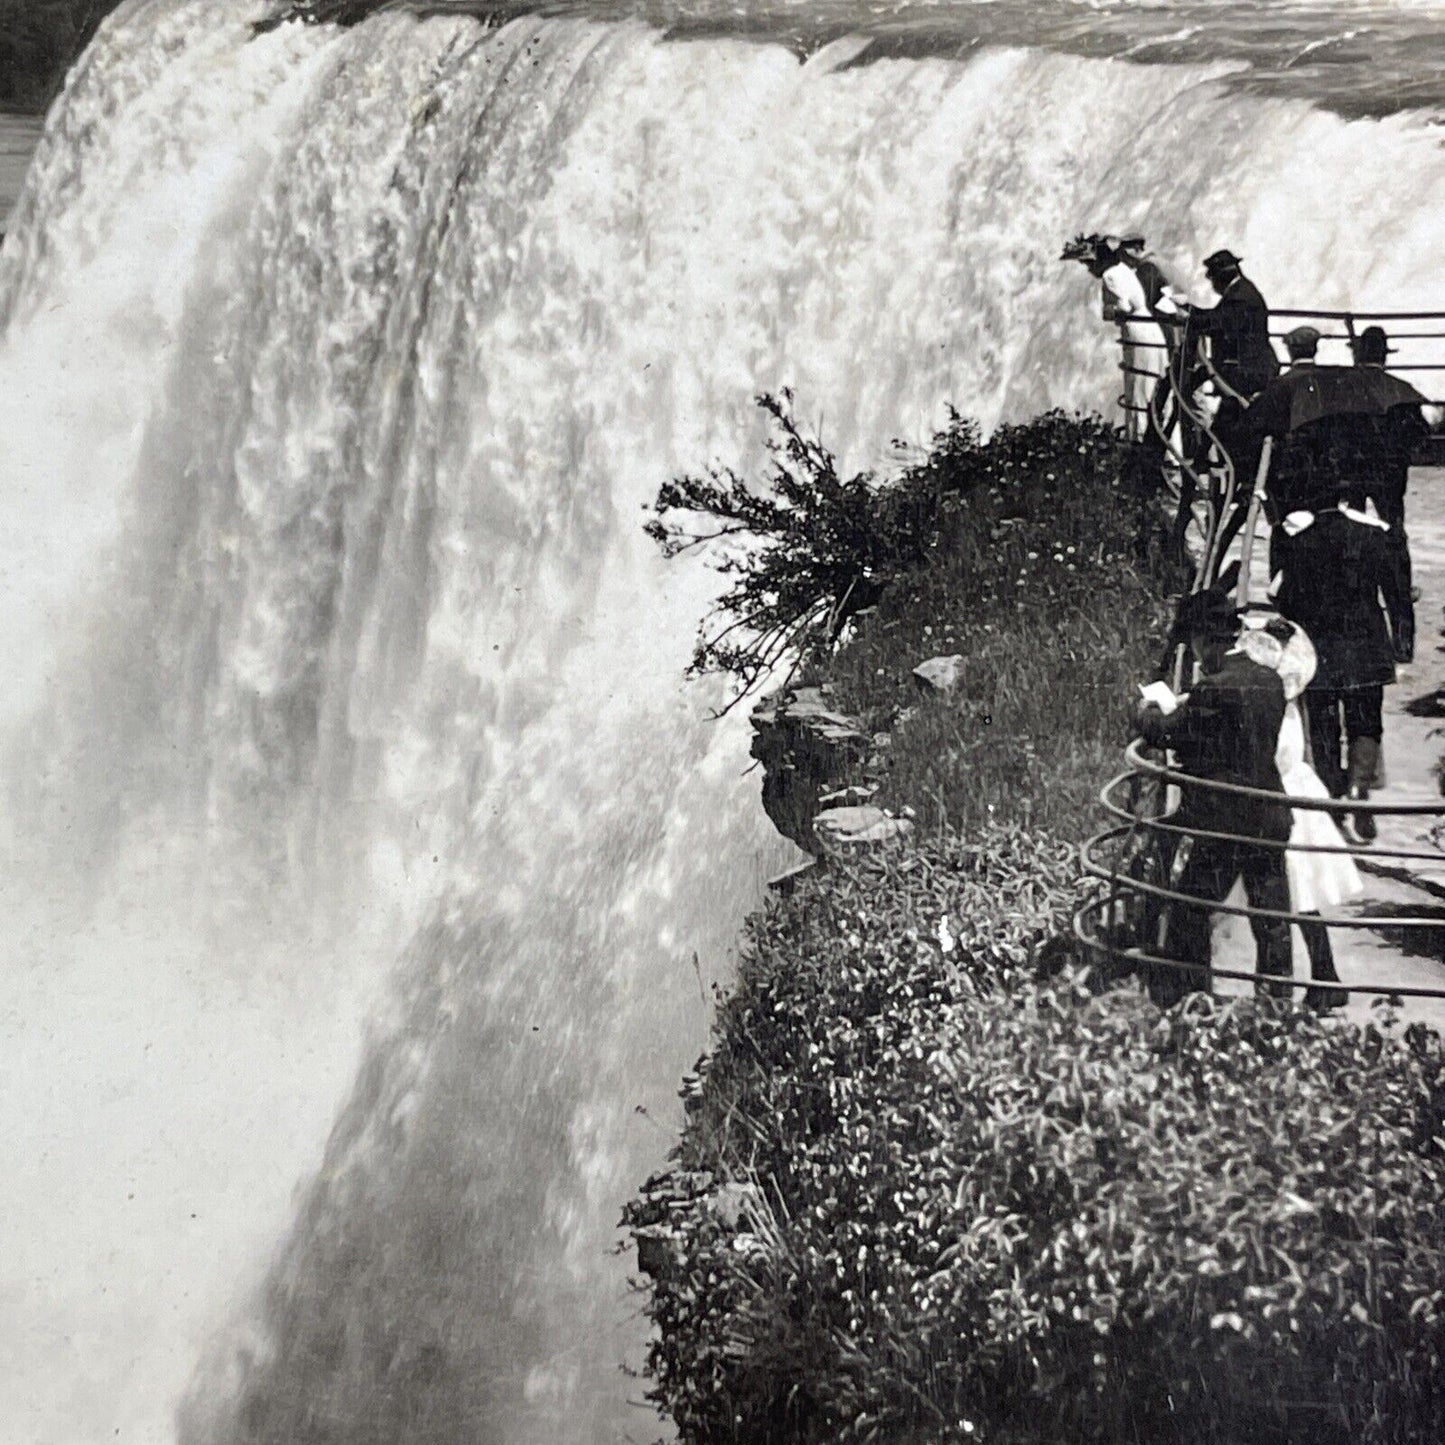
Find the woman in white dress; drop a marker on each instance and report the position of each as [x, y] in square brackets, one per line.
[1145, 351]
[1125, 302]
[1316, 880]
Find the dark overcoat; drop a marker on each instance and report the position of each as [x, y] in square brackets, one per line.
[1345, 585]
[1228, 731]
[1238, 332]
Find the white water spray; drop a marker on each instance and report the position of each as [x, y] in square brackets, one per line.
[336, 370]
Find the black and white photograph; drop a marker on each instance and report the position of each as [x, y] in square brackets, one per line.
[722, 722]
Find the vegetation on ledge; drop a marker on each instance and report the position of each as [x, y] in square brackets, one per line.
[925, 1193]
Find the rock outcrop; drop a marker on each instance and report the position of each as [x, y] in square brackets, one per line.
[814, 759]
[938, 674]
[806, 749]
[841, 831]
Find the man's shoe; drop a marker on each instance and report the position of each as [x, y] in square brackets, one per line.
[1326, 1000]
[1363, 823]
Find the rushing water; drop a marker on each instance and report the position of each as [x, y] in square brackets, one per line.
[360, 834]
[1361, 57]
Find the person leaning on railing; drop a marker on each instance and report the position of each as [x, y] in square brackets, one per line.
[1225, 730]
[1124, 301]
[1237, 330]
[1241, 363]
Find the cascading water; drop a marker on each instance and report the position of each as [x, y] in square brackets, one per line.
[344, 686]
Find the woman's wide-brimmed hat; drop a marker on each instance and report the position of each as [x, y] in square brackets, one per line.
[1283, 647]
[1081, 248]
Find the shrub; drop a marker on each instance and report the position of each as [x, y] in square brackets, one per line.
[922, 1196]
[807, 549]
[1041, 589]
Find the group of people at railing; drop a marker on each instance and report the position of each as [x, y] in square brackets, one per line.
[1326, 451]
[1204, 389]
[1240, 724]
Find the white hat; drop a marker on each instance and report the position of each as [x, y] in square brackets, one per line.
[1292, 655]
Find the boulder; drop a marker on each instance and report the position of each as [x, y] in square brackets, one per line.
[857, 829]
[659, 1252]
[939, 674]
[734, 1203]
[806, 748]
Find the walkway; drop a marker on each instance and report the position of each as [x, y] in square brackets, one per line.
[1414, 747]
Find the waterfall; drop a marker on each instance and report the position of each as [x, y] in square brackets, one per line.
[368, 859]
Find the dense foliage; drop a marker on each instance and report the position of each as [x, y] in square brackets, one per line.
[925, 1194]
[38, 40]
[922, 1196]
[806, 549]
[1048, 588]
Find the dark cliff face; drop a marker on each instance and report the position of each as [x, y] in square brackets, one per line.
[808, 751]
[39, 40]
[353, 12]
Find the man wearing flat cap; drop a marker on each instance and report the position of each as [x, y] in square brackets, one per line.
[1302, 344]
[1226, 730]
[1299, 458]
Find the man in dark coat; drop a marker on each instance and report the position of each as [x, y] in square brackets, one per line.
[1391, 444]
[1296, 461]
[1164, 301]
[1226, 731]
[1236, 329]
[1343, 583]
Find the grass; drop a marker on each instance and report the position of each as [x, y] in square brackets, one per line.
[1040, 588]
[969, 1203]
[925, 1194]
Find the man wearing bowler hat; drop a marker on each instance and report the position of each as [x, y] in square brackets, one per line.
[1395, 439]
[1226, 730]
[1237, 328]
[1371, 347]
[1242, 360]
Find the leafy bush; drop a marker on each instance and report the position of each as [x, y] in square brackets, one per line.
[807, 549]
[922, 1196]
[1040, 588]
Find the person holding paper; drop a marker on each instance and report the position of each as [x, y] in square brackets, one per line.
[1226, 730]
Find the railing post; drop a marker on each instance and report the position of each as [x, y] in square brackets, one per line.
[1251, 521]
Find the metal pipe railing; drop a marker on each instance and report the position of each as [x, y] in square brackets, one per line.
[1143, 842]
[1133, 859]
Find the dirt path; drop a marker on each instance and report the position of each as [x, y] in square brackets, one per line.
[1414, 746]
